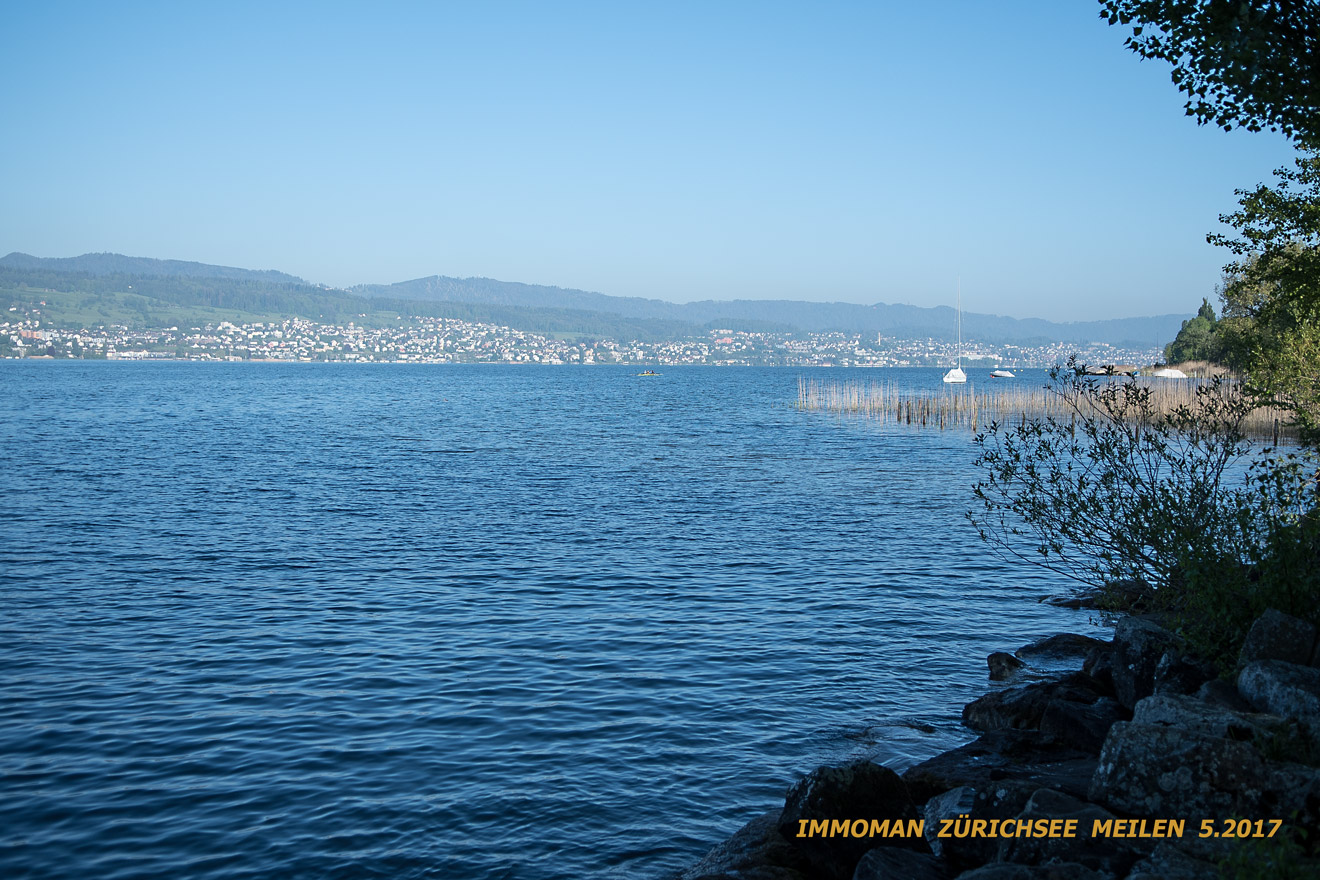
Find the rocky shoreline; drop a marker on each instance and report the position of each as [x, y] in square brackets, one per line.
[1141, 764]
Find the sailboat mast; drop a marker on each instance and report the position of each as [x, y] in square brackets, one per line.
[956, 376]
[960, 322]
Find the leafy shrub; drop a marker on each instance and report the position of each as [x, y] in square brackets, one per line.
[1179, 501]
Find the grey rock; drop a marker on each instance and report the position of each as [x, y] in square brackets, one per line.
[1063, 646]
[1014, 708]
[1284, 689]
[1278, 636]
[1081, 726]
[1021, 707]
[1111, 856]
[756, 852]
[1222, 695]
[999, 757]
[1154, 770]
[888, 863]
[1001, 800]
[1138, 646]
[1179, 674]
[1003, 666]
[857, 790]
[1195, 715]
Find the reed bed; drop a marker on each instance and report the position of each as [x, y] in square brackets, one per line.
[968, 407]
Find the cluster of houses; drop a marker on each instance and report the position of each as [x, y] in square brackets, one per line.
[445, 340]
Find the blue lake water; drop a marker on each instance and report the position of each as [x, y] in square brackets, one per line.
[309, 621]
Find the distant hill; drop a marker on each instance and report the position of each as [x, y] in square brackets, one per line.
[534, 308]
[102, 280]
[902, 321]
[118, 264]
[110, 288]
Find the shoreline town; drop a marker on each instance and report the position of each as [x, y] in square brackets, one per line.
[444, 340]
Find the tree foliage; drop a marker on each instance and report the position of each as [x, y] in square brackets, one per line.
[1198, 340]
[1278, 227]
[1121, 492]
[1270, 331]
[1248, 63]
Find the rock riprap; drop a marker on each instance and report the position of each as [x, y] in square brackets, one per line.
[1104, 773]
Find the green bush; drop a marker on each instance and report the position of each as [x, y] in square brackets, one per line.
[1213, 527]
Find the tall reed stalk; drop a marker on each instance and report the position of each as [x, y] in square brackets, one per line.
[973, 408]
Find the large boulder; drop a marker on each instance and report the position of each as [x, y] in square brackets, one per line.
[823, 808]
[1138, 646]
[1182, 757]
[1155, 770]
[1181, 712]
[1003, 756]
[1278, 636]
[1021, 707]
[1284, 689]
[1073, 711]
[756, 852]
[1111, 856]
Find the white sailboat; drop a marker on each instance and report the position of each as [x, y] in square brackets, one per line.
[956, 375]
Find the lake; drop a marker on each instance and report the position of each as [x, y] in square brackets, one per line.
[308, 621]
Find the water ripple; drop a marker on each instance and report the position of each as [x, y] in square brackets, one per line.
[320, 621]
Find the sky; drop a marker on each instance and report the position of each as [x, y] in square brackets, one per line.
[858, 152]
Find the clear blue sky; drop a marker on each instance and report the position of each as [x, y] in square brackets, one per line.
[861, 152]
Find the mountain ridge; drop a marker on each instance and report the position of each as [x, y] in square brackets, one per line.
[897, 319]
[515, 301]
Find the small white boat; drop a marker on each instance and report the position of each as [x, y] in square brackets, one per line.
[956, 376]
[1002, 374]
[1169, 373]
